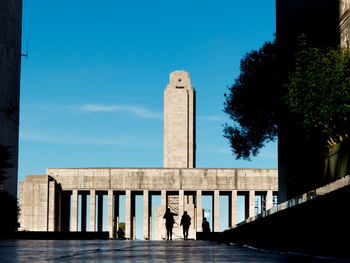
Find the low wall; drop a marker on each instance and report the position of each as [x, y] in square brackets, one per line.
[317, 225]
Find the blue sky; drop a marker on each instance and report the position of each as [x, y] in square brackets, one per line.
[92, 87]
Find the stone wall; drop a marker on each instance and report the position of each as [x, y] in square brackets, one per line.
[318, 19]
[34, 203]
[344, 22]
[10, 67]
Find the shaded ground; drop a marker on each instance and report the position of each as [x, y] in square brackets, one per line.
[137, 251]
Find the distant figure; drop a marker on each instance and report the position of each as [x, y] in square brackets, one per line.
[120, 234]
[205, 225]
[169, 223]
[185, 223]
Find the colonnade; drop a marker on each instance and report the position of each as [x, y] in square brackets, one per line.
[113, 208]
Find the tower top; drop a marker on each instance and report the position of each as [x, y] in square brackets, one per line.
[180, 77]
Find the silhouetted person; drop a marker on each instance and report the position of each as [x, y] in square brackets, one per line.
[185, 223]
[120, 233]
[169, 223]
[205, 226]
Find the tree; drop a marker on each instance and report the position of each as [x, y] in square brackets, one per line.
[311, 89]
[253, 102]
[319, 92]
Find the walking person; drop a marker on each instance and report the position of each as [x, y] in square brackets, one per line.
[185, 223]
[169, 223]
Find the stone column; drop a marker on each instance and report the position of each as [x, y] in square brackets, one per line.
[83, 212]
[146, 215]
[216, 217]
[110, 213]
[233, 208]
[128, 222]
[199, 211]
[51, 214]
[75, 210]
[163, 205]
[269, 200]
[100, 213]
[251, 203]
[92, 210]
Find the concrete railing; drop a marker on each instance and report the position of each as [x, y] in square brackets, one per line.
[301, 199]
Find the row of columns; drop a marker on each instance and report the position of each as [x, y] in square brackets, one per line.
[113, 210]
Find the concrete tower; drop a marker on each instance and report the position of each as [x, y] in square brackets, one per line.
[179, 122]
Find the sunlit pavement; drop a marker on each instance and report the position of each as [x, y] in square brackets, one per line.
[138, 251]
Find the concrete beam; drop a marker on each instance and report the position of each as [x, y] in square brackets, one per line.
[153, 179]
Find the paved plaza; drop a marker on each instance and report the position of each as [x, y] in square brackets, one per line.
[138, 251]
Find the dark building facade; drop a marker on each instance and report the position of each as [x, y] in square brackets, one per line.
[10, 67]
[326, 23]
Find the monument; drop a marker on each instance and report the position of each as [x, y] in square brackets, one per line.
[179, 122]
[57, 201]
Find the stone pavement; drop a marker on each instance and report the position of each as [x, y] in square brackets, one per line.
[137, 251]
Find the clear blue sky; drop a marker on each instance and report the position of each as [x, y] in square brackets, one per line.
[92, 86]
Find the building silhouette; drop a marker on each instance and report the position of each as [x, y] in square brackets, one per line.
[10, 68]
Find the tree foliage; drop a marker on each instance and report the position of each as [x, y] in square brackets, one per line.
[319, 92]
[253, 101]
[312, 89]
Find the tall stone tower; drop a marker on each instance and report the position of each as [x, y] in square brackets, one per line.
[179, 122]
